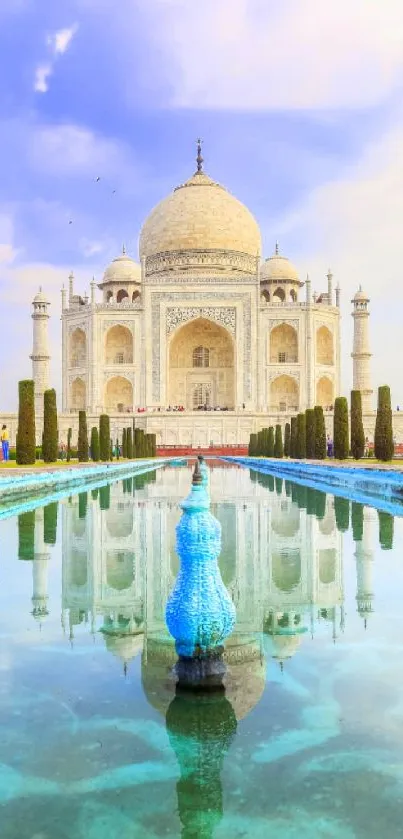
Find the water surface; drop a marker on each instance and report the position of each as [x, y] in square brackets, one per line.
[307, 740]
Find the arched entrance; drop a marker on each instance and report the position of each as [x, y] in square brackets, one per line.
[201, 367]
[78, 395]
[284, 394]
[119, 345]
[324, 392]
[119, 395]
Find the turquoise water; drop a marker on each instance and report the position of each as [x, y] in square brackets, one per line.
[307, 740]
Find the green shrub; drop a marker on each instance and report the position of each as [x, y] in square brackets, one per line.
[260, 443]
[111, 449]
[105, 496]
[117, 449]
[95, 453]
[301, 436]
[124, 443]
[82, 446]
[26, 535]
[153, 445]
[69, 435]
[340, 428]
[310, 433]
[129, 443]
[50, 523]
[386, 528]
[293, 436]
[384, 446]
[357, 427]
[252, 445]
[104, 437]
[320, 433]
[287, 439]
[270, 442]
[50, 444]
[26, 447]
[278, 443]
[94, 494]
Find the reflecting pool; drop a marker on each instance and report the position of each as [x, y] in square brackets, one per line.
[305, 741]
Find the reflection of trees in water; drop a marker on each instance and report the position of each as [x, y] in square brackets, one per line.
[105, 497]
[200, 730]
[50, 523]
[279, 485]
[286, 569]
[386, 530]
[357, 521]
[82, 505]
[26, 535]
[120, 569]
[342, 513]
[327, 565]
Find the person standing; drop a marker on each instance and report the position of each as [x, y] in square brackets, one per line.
[5, 442]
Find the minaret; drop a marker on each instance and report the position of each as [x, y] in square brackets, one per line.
[364, 558]
[330, 288]
[361, 354]
[40, 569]
[40, 350]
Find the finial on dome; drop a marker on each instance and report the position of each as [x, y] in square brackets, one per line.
[123, 249]
[40, 288]
[199, 158]
[276, 248]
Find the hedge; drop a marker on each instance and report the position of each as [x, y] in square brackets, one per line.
[287, 439]
[26, 535]
[301, 436]
[69, 436]
[95, 453]
[310, 433]
[384, 446]
[357, 428]
[82, 446]
[50, 523]
[293, 437]
[129, 443]
[320, 433]
[278, 443]
[104, 437]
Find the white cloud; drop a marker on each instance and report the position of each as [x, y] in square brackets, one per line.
[58, 42]
[354, 224]
[42, 75]
[259, 54]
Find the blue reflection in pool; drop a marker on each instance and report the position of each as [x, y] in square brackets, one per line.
[305, 741]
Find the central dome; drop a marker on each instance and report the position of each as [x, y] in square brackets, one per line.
[200, 227]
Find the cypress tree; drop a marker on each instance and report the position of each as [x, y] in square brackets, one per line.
[69, 436]
[340, 428]
[117, 449]
[278, 443]
[384, 446]
[50, 448]
[104, 437]
[357, 520]
[82, 447]
[260, 443]
[124, 443]
[320, 433]
[129, 443]
[26, 447]
[252, 445]
[293, 437]
[386, 527]
[94, 494]
[50, 523]
[149, 445]
[270, 442]
[301, 436]
[310, 433]
[287, 439]
[26, 535]
[82, 505]
[95, 444]
[357, 427]
[320, 505]
[342, 513]
[153, 445]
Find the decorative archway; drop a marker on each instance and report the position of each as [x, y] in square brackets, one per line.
[324, 392]
[284, 394]
[78, 348]
[119, 345]
[324, 346]
[78, 395]
[118, 395]
[283, 344]
[279, 295]
[122, 295]
[201, 366]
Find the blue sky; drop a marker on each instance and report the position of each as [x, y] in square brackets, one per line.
[300, 110]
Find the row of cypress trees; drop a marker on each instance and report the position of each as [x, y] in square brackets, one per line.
[305, 436]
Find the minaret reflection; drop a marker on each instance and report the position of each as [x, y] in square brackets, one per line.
[363, 518]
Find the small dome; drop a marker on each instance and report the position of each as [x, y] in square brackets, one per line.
[278, 267]
[123, 269]
[283, 645]
[360, 297]
[204, 226]
[40, 297]
[125, 647]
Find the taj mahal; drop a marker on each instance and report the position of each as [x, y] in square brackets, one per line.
[202, 339]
